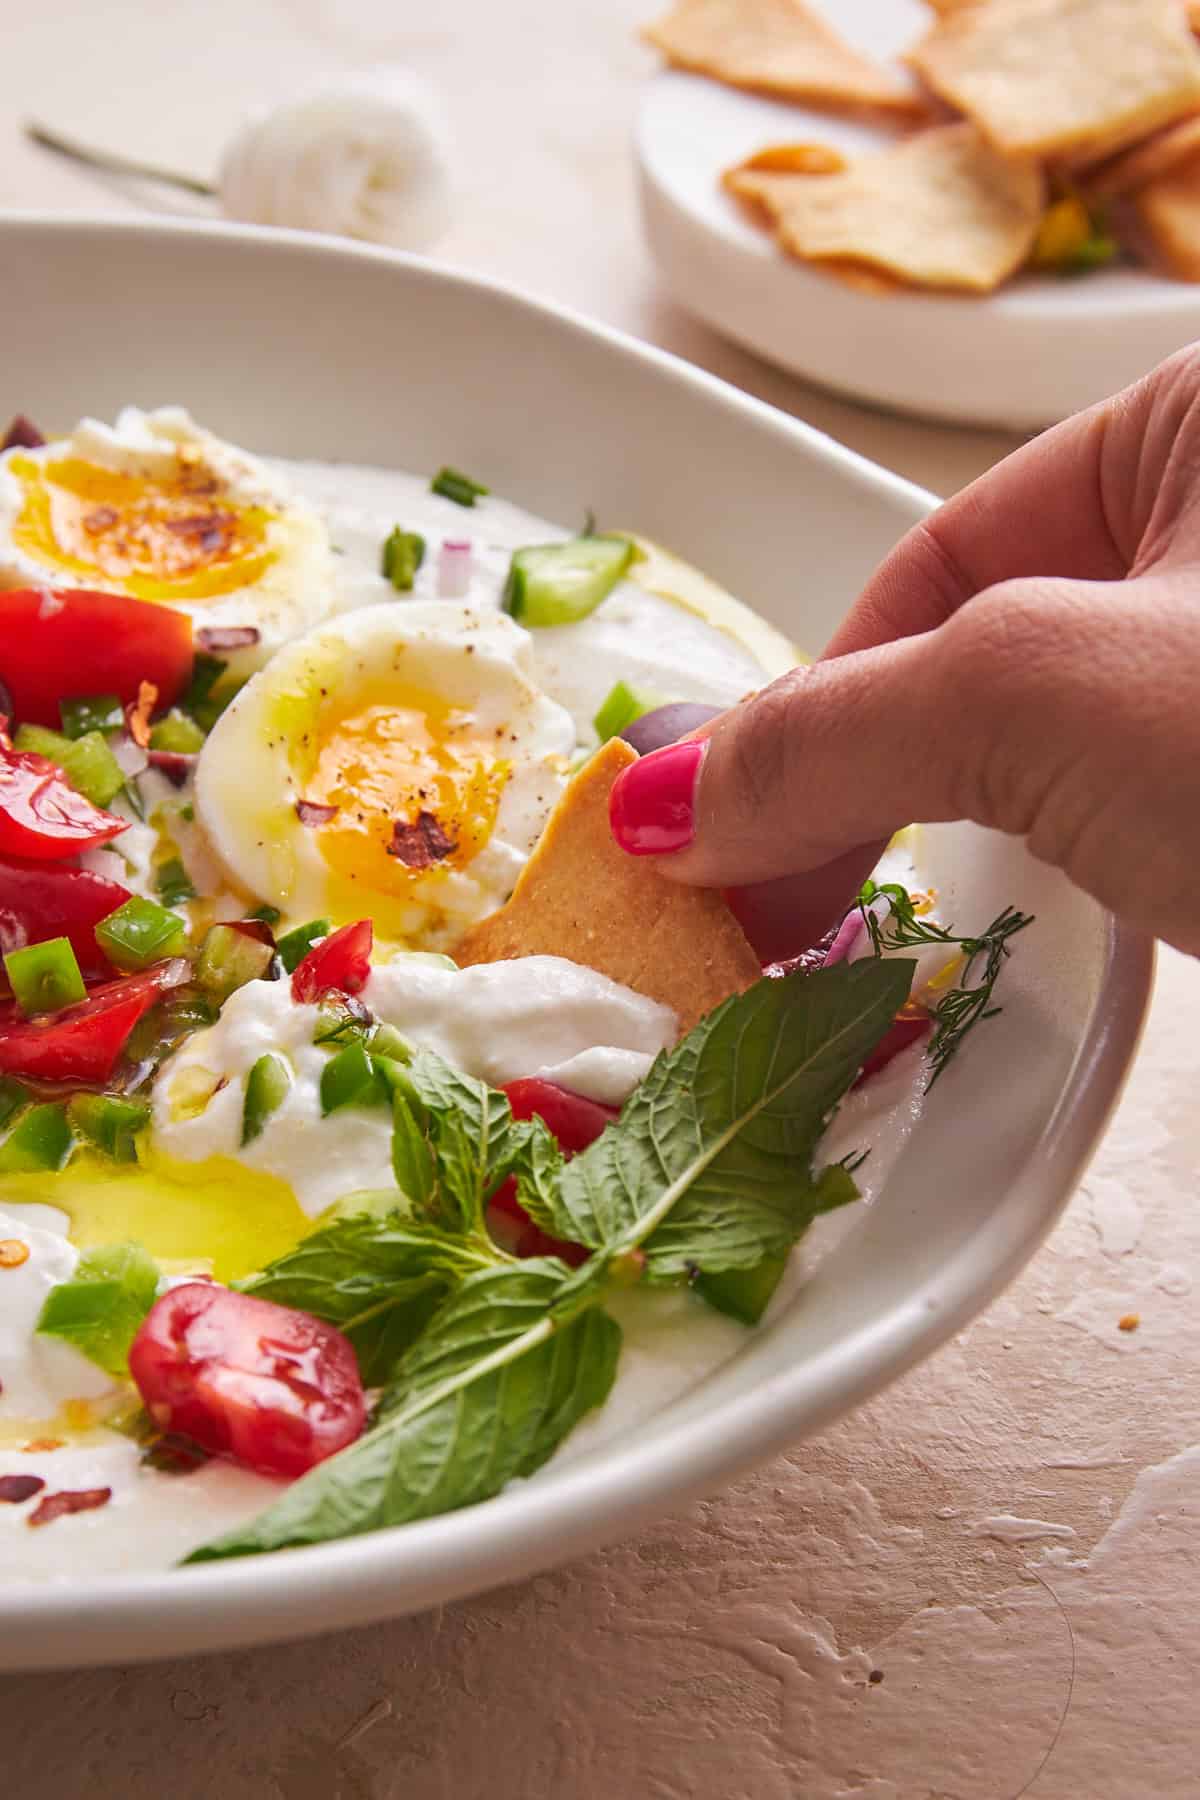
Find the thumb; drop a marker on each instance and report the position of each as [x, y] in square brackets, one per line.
[834, 758]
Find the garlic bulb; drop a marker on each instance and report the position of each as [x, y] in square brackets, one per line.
[363, 156]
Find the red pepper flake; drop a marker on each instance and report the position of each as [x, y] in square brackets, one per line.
[13, 1253]
[36, 1445]
[15, 1488]
[312, 812]
[227, 637]
[420, 843]
[137, 716]
[22, 434]
[56, 1506]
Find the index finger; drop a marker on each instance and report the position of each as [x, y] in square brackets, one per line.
[1048, 509]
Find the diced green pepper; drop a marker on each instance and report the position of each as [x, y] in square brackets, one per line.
[340, 1022]
[101, 1307]
[743, 1293]
[141, 932]
[87, 762]
[206, 672]
[108, 1123]
[349, 1079]
[177, 732]
[44, 977]
[12, 1098]
[456, 486]
[558, 584]
[267, 1087]
[173, 883]
[621, 706]
[294, 946]
[403, 554]
[228, 960]
[269, 915]
[40, 1139]
[165, 1026]
[386, 1041]
[98, 712]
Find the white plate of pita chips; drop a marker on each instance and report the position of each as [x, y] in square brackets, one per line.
[986, 211]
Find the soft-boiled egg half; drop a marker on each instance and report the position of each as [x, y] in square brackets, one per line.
[158, 508]
[397, 763]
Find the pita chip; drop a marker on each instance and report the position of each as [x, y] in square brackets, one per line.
[582, 898]
[1157, 155]
[940, 209]
[1167, 214]
[1060, 77]
[778, 47]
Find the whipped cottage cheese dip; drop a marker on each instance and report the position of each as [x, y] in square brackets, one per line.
[539, 1016]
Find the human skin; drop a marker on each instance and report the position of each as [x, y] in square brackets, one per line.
[1028, 657]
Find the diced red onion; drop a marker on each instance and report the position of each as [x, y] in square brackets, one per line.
[176, 765]
[667, 724]
[454, 568]
[133, 760]
[845, 937]
[313, 812]
[22, 434]
[901, 1034]
[227, 637]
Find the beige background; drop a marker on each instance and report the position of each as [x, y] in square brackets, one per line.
[981, 1586]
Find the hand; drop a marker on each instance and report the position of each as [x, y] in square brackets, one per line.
[1028, 657]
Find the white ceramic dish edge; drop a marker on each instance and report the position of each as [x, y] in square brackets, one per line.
[343, 1584]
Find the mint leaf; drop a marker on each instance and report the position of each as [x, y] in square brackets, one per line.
[485, 1395]
[100, 1309]
[708, 1167]
[379, 1280]
[745, 1294]
[472, 1142]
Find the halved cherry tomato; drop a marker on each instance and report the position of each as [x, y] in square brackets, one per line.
[576, 1122]
[274, 1389]
[83, 1043]
[71, 642]
[40, 901]
[340, 963]
[907, 1028]
[42, 816]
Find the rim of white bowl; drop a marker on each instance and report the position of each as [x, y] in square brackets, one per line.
[350, 1581]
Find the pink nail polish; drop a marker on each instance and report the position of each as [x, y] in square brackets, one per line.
[652, 807]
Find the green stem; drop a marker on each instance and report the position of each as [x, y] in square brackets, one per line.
[116, 165]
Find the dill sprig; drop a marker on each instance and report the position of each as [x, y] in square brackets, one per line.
[962, 1007]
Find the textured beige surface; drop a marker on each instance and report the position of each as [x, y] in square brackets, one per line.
[1008, 1536]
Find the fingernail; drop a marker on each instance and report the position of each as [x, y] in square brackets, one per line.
[652, 807]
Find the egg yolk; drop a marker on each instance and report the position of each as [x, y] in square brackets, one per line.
[415, 784]
[177, 537]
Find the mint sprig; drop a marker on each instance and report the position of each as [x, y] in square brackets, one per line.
[100, 1309]
[486, 1395]
[708, 1170]
[709, 1167]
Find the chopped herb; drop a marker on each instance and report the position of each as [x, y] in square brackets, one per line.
[959, 1010]
[98, 712]
[173, 883]
[45, 977]
[403, 554]
[456, 486]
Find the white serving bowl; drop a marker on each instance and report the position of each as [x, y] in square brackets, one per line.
[312, 347]
[1038, 349]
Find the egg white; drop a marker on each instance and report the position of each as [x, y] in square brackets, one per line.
[255, 766]
[299, 585]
